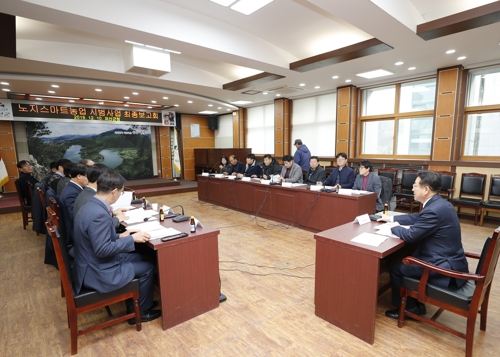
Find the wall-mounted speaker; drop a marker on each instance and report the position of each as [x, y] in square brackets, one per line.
[213, 122]
[178, 124]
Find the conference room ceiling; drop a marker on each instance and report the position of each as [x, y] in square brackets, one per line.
[80, 47]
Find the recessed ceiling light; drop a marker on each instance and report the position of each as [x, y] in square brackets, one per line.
[153, 101]
[207, 112]
[398, 63]
[223, 2]
[4, 83]
[98, 90]
[176, 105]
[335, 77]
[228, 109]
[461, 58]
[190, 101]
[412, 68]
[165, 97]
[125, 105]
[135, 93]
[265, 93]
[210, 105]
[150, 107]
[54, 86]
[6, 89]
[38, 98]
[374, 74]
[246, 7]
[219, 107]
[302, 84]
[278, 95]
[101, 103]
[51, 91]
[71, 101]
[450, 52]
[126, 97]
[348, 81]
[317, 87]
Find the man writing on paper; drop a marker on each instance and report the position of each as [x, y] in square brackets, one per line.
[436, 229]
[102, 257]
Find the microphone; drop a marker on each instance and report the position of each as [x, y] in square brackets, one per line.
[181, 217]
[213, 167]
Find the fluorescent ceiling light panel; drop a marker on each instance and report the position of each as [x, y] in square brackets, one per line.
[374, 74]
[241, 102]
[246, 7]
[207, 112]
[134, 43]
[52, 96]
[223, 2]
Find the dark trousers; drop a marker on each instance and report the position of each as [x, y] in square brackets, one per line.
[144, 272]
[396, 282]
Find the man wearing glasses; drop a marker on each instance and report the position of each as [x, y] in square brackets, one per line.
[342, 176]
[103, 258]
[25, 179]
[368, 181]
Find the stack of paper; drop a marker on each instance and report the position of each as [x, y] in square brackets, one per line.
[370, 239]
[137, 215]
[155, 229]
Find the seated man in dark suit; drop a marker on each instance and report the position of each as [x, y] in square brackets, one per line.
[66, 179]
[89, 191]
[251, 168]
[436, 229]
[103, 261]
[368, 181]
[237, 167]
[270, 167]
[59, 174]
[53, 169]
[315, 174]
[68, 196]
[342, 176]
[25, 180]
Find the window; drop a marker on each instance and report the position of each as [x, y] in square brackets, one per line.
[482, 116]
[314, 122]
[260, 125]
[481, 138]
[404, 129]
[224, 135]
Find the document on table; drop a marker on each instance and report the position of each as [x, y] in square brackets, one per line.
[138, 215]
[123, 201]
[155, 229]
[369, 239]
[385, 229]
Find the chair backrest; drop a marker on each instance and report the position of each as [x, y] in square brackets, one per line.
[52, 217]
[62, 261]
[20, 195]
[408, 179]
[447, 180]
[494, 186]
[488, 261]
[55, 207]
[473, 184]
[387, 192]
[390, 173]
[42, 195]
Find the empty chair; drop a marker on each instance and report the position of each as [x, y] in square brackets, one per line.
[471, 194]
[390, 173]
[493, 202]
[447, 184]
[25, 208]
[404, 193]
[468, 301]
[89, 300]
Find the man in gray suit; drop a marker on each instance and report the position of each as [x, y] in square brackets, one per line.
[368, 181]
[290, 172]
[103, 261]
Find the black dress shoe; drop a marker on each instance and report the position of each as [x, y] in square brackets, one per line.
[394, 314]
[146, 316]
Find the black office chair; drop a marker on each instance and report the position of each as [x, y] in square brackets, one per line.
[390, 173]
[468, 301]
[471, 194]
[89, 300]
[404, 194]
[25, 208]
[493, 202]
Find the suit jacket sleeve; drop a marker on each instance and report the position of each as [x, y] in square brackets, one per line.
[350, 180]
[102, 245]
[424, 224]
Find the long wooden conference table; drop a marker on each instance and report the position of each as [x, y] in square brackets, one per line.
[347, 277]
[188, 273]
[312, 210]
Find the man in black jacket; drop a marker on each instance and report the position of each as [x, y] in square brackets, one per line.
[270, 167]
[315, 173]
[25, 179]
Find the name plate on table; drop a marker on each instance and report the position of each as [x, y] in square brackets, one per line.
[316, 188]
[286, 184]
[246, 178]
[364, 218]
[345, 191]
[205, 174]
[231, 177]
[265, 182]
[219, 175]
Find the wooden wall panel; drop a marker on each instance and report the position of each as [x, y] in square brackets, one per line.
[281, 127]
[206, 140]
[8, 153]
[165, 152]
[449, 82]
[347, 98]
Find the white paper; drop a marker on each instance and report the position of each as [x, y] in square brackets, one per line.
[139, 220]
[287, 184]
[297, 184]
[245, 178]
[231, 177]
[138, 215]
[123, 200]
[371, 239]
[360, 192]
[205, 174]
[163, 232]
[345, 191]
[265, 182]
[316, 188]
[219, 175]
